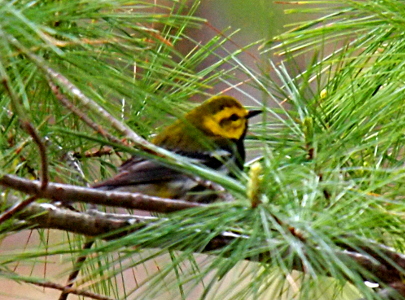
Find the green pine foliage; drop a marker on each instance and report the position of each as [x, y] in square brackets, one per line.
[329, 146]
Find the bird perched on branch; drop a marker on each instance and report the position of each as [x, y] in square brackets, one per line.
[212, 134]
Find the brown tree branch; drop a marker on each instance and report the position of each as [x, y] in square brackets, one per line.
[112, 226]
[27, 126]
[75, 272]
[42, 152]
[381, 253]
[83, 116]
[378, 263]
[52, 285]
[70, 193]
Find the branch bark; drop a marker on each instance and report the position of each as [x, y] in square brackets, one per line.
[71, 193]
[112, 226]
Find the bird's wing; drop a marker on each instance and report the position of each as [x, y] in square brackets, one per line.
[212, 159]
[139, 171]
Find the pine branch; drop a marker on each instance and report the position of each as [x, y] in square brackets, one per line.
[70, 193]
[52, 285]
[113, 226]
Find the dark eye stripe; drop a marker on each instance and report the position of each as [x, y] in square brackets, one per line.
[234, 117]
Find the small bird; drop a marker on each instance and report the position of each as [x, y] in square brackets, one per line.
[211, 134]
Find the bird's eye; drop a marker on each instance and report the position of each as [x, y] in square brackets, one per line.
[234, 117]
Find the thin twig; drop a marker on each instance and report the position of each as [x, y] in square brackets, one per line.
[76, 270]
[90, 104]
[27, 126]
[75, 92]
[97, 153]
[44, 177]
[42, 152]
[381, 253]
[52, 285]
[69, 105]
[11, 144]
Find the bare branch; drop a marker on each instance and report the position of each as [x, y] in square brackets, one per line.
[52, 285]
[70, 193]
[69, 105]
[27, 126]
[75, 272]
[42, 152]
[382, 253]
[375, 264]
[113, 226]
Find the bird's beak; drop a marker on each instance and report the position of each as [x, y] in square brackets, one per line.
[253, 113]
